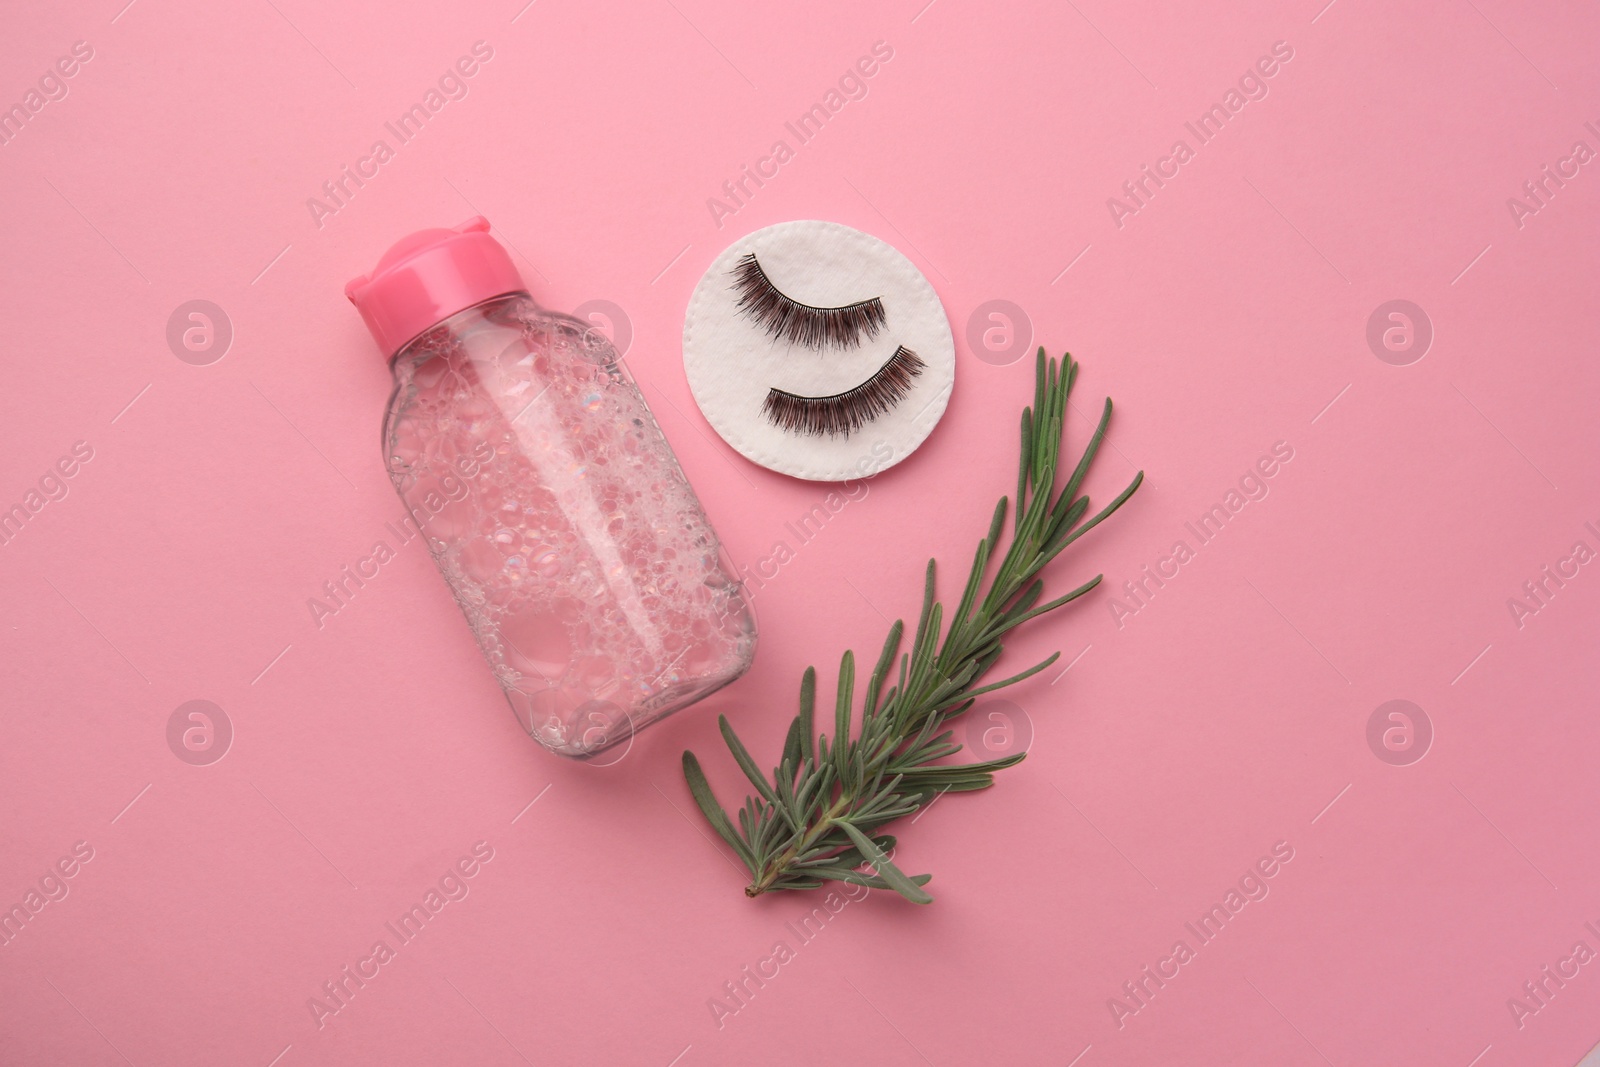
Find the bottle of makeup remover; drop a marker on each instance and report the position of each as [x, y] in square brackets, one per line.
[549, 498]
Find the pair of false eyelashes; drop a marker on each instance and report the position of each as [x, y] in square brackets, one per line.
[786, 319]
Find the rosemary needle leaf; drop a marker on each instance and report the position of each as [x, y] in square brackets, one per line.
[746, 764]
[853, 877]
[1089, 453]
[1024, 465]
[707, 800]
[1022, 617]
[795, 883]
[1013, 680]
[817, 820]
[847, 692]
[791, 749]
[808, 701]
[1105, 513]
[996, 523]
[852, 857]
[891, 645]
[927, 607]
[897, 879]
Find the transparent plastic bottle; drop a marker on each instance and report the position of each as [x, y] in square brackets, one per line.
[549, 498]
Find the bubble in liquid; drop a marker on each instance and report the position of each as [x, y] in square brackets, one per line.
[584, 582]
[545, 562]
[536, 643]
[543, 712]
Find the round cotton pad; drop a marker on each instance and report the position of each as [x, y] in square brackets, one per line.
[825, 356]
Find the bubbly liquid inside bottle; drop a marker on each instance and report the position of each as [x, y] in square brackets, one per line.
[563, 524]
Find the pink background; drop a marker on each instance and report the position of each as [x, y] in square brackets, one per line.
[1227, 715]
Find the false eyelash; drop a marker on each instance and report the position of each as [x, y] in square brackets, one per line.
[845, 413]
[802, 324]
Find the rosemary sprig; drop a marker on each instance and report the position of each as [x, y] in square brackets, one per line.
[817, 819]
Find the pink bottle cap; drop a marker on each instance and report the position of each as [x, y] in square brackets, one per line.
[428, 276]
